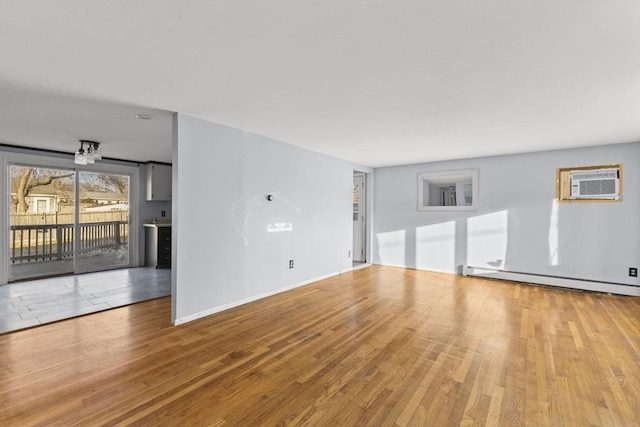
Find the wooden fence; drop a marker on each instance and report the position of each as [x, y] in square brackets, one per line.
[67, 218]
[50, 242]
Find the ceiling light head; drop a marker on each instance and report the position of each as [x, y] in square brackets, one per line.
[144, 116]
[80, 157]
[89, 154]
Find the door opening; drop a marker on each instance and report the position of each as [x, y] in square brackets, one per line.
[359, 216]
[65, 221]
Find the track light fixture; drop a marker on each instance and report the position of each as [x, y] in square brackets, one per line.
[88, 155]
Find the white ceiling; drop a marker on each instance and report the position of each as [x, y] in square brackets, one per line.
[375, 82]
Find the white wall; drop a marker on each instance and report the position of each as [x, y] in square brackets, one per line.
[225, 248]
[518, 226]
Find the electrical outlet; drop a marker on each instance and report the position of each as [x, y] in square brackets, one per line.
[349, 254]
[290, 263]
[163, 213]
[633, 272]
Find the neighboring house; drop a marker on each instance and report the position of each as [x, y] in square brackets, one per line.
[104, 198]
[42, 203]
[46, 199]
[109, 208]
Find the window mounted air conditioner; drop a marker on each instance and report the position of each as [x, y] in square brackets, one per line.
[595, 184]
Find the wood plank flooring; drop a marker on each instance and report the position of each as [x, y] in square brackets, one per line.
[381, 346]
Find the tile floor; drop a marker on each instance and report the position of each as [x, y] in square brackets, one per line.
[41, 301]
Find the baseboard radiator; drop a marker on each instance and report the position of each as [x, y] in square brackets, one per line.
[564, 282]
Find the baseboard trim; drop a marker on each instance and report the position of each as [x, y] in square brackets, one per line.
[361, 266]
[209, 312]
[564, 282]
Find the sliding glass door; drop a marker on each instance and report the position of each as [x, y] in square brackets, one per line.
[103, 225]
[41, 221]
[66, 221]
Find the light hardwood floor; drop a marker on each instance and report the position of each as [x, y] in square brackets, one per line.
[379, 346]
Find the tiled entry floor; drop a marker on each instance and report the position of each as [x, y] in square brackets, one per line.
[36, 302]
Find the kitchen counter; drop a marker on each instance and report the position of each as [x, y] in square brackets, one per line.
[157, 245]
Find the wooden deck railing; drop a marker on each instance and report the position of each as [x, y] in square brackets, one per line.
[50, 242]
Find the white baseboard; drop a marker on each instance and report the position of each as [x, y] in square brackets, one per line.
[565, 282]
[361, 266]
[209, 312]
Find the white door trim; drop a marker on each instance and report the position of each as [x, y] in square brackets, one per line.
[359, 227]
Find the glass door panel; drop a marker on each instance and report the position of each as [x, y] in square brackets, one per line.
[103, 221]
[41, 221]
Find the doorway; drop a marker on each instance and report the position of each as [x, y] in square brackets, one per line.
[65, 221]
[359, 219]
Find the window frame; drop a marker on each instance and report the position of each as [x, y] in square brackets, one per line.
[563, 184]
[455, 174]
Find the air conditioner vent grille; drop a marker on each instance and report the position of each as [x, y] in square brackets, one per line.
[598, 183]
[598, 174]
[598, 187]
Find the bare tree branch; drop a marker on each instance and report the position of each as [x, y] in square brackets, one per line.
[28, 181]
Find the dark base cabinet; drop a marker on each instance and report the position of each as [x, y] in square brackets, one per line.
[157, 246]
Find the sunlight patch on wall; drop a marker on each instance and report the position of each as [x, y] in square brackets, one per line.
[392, 247]
[436, 247]
[487, 240]
[553, 234]
[277, 227]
